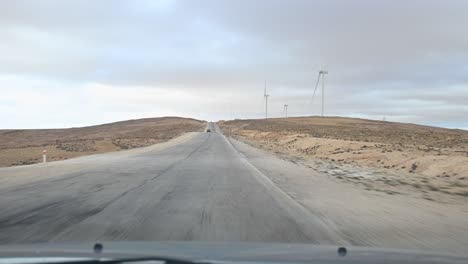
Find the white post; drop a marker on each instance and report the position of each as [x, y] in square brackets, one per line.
[44, 156]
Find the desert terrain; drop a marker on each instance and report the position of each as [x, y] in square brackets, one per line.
[393, 158]
[209, 187]
[25, 146]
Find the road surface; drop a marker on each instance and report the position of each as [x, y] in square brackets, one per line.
[202, 188]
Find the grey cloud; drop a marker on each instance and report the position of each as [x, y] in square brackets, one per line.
[383, 56]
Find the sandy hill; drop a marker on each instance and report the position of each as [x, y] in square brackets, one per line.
[23, 146]
[355, 129]
[420, 156]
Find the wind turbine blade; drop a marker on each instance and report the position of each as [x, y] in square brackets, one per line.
[316, 85]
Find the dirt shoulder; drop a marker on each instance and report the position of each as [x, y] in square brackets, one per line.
[23, 147]
[366, 217]
[393, 158]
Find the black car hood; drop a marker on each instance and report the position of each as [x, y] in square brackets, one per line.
[227, 252]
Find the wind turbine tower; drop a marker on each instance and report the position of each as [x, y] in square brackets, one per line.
[265, 95]
[321, 74]
[285, 110]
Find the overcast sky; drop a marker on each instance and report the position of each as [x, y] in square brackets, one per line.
[74, 63]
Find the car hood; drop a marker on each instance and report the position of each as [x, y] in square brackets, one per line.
[228, 252]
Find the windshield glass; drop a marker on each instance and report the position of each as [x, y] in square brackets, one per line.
[338, 123]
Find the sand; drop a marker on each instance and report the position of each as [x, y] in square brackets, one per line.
[389, 157]
[24, 147]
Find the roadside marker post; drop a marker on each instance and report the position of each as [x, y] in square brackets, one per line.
[44, 156]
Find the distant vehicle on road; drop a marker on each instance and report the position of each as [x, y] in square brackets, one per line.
[208, 130]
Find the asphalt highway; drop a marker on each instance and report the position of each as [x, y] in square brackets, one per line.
[199, 189]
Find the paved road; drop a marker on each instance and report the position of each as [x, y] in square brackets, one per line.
[199, 189]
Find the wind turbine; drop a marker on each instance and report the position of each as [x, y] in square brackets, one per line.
[321, 73]
[285, 110]
[265, 95]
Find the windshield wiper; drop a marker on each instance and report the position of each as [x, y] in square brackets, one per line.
[166, 260]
